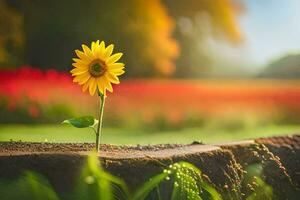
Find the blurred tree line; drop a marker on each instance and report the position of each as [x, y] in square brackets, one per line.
[11, 35]
[158, 37]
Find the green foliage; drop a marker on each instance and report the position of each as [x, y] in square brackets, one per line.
[95, 183]
[149, 186]
[82, 122]
[179, 181]
[284, 67]
[186, 183]
[31, 186]
[260, 189]
[122, 136]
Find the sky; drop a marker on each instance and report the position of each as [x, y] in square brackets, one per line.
[271, 29]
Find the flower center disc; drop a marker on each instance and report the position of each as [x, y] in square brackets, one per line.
[97, 68]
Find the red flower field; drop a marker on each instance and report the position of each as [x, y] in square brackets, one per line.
[51, 95]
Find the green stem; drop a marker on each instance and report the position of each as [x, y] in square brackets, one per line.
[99, 128]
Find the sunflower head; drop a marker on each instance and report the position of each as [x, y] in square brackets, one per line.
[96, 68]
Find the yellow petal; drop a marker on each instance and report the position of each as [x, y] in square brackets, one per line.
[76, 60]
[102, 45]
[92, 86]
[80, 65]
[101, 84]
[81, 79]
[108, 51]
[78, 71]
[116, 72]
[114, 58]
[87, 61]
[87, 51]
[112, 78]
[95, 45]
[99, 52]
[87, 84]
[108, 84]
[83, 62]
[116, 66]
[85, 87]
[82, 56]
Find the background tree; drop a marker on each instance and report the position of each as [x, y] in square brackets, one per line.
[142, 29]
[11, 35]
[202, 27]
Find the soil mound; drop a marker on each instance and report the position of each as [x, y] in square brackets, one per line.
[223, 165]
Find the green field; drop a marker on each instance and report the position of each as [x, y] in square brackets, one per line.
[59, 133]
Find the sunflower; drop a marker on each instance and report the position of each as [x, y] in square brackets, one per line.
[96, 68]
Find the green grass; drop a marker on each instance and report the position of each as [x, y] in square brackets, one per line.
[64, 133]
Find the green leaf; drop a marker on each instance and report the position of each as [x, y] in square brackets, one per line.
[215, 195]
[186, 178]
[82, 122]
[95, 183]
[261, 191]
[31, 186]
[149, 186]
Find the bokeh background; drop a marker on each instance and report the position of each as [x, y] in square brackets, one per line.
[196, 70]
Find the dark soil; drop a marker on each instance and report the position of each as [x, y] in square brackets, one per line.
[223, 165]
[35, 147]
[287, 150]
[251, 153]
